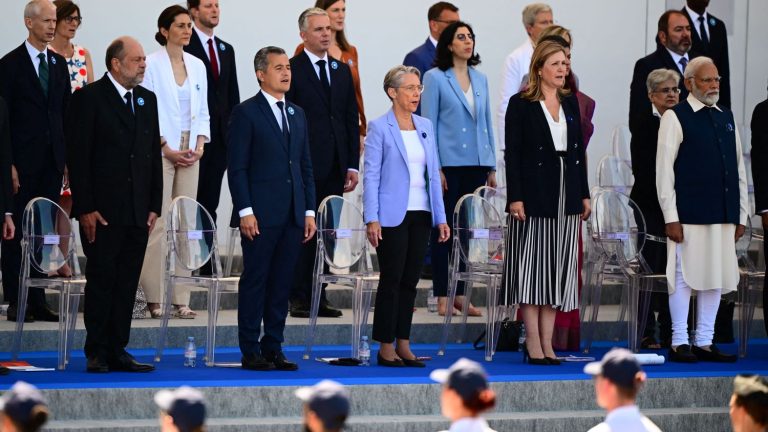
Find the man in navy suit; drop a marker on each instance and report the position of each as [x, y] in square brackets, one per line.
[223, 94]
[440, 15]
[35, 84]
[273, 190]
[710, 38]
[323, 87]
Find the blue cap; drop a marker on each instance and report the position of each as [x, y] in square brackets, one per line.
[185, 405]
[18, 402]
[619, 366]
[329, 400]
[466, 377]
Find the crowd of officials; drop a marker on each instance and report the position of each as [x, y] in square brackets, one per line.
[115, 150]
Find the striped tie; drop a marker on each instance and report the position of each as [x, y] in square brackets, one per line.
[42, 72]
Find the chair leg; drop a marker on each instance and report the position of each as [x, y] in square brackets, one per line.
[452, 283]
[492, 307]
[368, 289]
[624, 305]
[74, 306]
[632, 313]
[64, 301]
[468, 288]
[595, 308]
[317, 286]
[168, 298]
[21, 305]
[644, 295]
[213, 312]
[748, 299]
[357, 306]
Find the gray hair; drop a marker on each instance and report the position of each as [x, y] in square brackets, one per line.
[304, 17]
[658, 76]
[394, 77]
[261, 59]
[34, 7]
[533, 9]
[695, 64]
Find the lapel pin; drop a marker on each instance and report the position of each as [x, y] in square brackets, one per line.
[334, 65]
[423, 134]
[712, 22]
[140, 101]
[53, 59]
[477, 94]
[222, 46]
[729, 127]
[569, 118]
[351, 63]
[197, 87]
[290, 110]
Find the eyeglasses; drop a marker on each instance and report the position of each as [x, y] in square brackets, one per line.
[709, 80]
[413, 88]
[462, 37]
[667, 90]
[78, 19]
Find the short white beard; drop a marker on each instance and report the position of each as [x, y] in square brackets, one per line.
[703, 98]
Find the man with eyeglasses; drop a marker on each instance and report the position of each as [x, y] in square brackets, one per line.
[440, 15]
[702, 187]
[536, 17]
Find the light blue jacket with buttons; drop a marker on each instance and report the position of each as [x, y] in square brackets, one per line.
[462, 139]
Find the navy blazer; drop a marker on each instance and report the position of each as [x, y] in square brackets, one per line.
[387, 177]
[37, 123]
[6, 187]
[759, 154]
[265, 173]
[422, 58]
[224, 93]
[717, 50]
[334, 127]
[533, 166]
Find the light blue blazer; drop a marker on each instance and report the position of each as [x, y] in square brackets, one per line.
[462, 140]
[386, 182]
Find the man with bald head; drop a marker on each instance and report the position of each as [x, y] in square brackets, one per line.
[116, 177]
[34, 81]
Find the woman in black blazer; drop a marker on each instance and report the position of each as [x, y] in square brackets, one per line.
[547, 195]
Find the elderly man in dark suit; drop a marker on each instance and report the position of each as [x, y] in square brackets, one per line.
[760, 177]
[440, 15]
[115, 170]
[710, 38]
[672, 52]
[270, 176]
[35, 84]
[323, 87]
[223, 94]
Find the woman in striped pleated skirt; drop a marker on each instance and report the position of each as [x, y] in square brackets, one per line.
[548, 197]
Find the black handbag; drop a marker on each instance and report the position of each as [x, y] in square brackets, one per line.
[509, 336]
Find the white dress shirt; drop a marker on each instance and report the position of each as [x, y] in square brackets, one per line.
[433, 40]
[676, 58]
[272, 101]
[470, 424]
[469, 95]
[515, 68]
[418, 199]
[695, 21]
[558, 129]
[707, 252]
[204, 38]
[33, 53]
[120, 89]
[314, 59]
[626, 419]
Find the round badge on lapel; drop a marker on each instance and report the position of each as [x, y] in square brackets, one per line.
[290, 110]
[53, 60]
[712, 22]
[351, 63]
[197, 87]
[140, 101]
[423, 134]
[222, 46]
[729, 127]
[334, 65]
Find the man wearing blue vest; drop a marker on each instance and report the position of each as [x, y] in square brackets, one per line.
[702, 188]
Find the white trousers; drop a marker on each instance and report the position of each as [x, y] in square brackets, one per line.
[707, 303]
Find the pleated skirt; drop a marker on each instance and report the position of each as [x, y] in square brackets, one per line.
[541, 266]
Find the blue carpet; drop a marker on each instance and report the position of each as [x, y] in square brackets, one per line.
[507, 366]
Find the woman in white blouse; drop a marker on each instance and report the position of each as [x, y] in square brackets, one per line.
[180, 83]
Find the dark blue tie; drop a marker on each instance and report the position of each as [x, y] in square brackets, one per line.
[129, 101]
[324, 79]
[683, 63]
[703, 34]
[284, 125]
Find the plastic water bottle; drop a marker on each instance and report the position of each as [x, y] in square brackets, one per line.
[364, 353]
[190, 353]
[431, 302]
[521, 339]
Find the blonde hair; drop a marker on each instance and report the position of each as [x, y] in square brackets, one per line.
[556, 30]
[543, 51]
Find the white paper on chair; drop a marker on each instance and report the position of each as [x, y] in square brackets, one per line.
[51, 239]
[614, 236]
[496, 234]
[343, 233]
[480, 233]
[194, 235]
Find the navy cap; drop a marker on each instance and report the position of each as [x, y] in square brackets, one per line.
[185, 405]
[619, 366]
[329, 400]
[18, 402]
[466, 377]
[748, 385]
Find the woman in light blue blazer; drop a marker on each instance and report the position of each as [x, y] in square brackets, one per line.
[456, 100]
[402, 200]
[180, 82]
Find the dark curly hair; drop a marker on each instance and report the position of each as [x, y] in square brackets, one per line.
[444, 56]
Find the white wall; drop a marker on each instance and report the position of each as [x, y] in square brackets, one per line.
[609, 36]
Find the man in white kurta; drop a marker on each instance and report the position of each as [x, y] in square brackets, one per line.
[702, 187]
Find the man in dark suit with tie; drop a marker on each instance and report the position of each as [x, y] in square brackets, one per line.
[223, 94]
[323, 87]
[35, 84]
[710, 38]
[760, 177]
[6, 190]
[115, 169]
[270, 177]
[672, 52]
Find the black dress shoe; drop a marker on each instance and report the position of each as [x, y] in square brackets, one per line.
[126, 363]
[299, 309]
[328, 311]
[4, 370]
[256, 362]
[96, 364]
[553, 360]
[682, 354]
[13, 314]
[45, 313]
[413, 363]
[713, 355]
[381, 361]
[281, 363]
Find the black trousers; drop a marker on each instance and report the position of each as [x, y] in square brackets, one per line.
[213, 164]
[47, 184]
[765, 293]
[401, 254]
[461, 181]
[302, 284]
[268, 263]
[114, 266]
